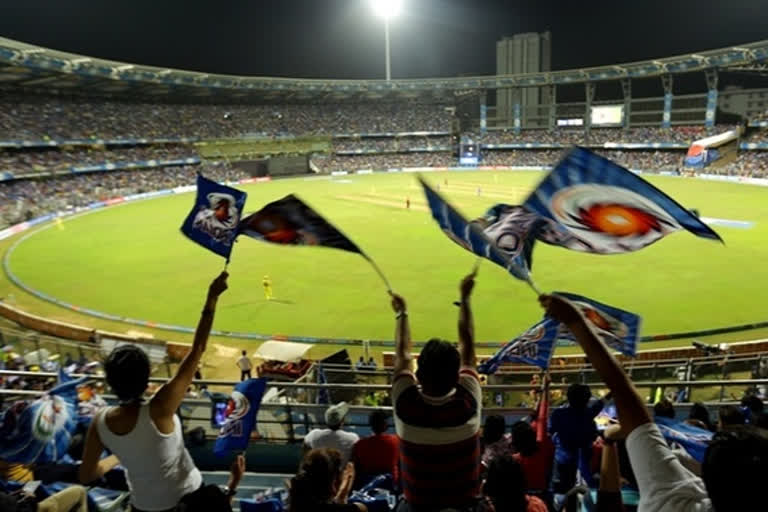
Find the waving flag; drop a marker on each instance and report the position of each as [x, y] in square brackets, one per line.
[534, 346]
[597, 206]
[693, 439]
[290, 221]
[501, 225]
[40, 431]
[241, 414]
[215, 217]
[619, 329]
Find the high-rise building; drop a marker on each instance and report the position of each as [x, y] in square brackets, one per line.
[523, 53]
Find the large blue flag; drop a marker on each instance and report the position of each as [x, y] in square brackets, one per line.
[618, 329]
[241, 414]
[215, 217]
[534, 347]
[41, 430]
[501, 236]
[598, 206]
[694, 440]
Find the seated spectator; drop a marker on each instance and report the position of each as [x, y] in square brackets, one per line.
[494, 441]
[333, 437]
[504, 489]
[438, 423]
[699, 417]
[573, 431]
[534, 457]
[735, 462]
[752, 407]
[664, 409]
[72, 499]
[146, 437]
[728, 416]
[321, 484]
[378, 453]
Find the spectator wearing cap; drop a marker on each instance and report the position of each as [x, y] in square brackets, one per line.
[378, 453]
[333, 437]
[438, 414]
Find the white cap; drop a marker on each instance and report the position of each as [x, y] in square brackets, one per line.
[335, 414]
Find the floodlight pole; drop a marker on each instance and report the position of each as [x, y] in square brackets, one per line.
[386, 44]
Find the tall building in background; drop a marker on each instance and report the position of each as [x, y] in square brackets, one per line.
[523, 53]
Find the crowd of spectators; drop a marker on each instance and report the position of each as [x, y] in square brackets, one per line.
[52, 159]
[748, 164]
[599, 136]
[757, 136]
[22, 200]
[387, 161]
[30, 117]
[391, 144]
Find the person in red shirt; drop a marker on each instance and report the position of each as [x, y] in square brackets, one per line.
[504, 489]
[534, 457]
[378, 453]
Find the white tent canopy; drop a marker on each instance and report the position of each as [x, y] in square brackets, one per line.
[284, 351]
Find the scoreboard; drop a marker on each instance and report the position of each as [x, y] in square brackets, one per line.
[469, 153]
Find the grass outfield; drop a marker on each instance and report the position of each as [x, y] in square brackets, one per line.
[132, 261]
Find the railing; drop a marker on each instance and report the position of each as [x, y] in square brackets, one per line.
[283, 417]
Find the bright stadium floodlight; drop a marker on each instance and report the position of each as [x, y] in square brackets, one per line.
[387, 9]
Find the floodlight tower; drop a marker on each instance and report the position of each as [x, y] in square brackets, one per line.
[387, 9]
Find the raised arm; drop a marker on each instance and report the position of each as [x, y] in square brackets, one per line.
[466, 324]
[403, 344]
[630, 407]
[168, 399]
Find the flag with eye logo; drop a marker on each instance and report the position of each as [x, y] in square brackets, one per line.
[595, 205]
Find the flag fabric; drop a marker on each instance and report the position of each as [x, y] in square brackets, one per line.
[215, 217]
[534, 347]
[290, 221]
[40, 431]
[619, 329]
[694, 440]
[598, 206]
[241, 412]
[478, 236]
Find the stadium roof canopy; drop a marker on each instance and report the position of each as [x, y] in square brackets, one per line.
[32, 66]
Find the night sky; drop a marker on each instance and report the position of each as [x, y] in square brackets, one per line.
[342, 38]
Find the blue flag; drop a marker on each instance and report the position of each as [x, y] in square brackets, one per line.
[694, 440]
[482, 236]
[241, 414]
[40, 431]
[215, 217]
[597, 206]
[534, 347]
[618, 329]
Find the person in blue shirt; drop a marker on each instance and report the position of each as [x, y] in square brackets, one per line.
[573, 430]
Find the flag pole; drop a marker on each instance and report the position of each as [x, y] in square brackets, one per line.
[534, 287]
[378, 271]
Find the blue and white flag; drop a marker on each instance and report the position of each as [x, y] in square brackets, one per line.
[481, 236]
[694, 440]
[241, 414]
[215, 217]
[618, 329]
[534, 347]
[40, 431]
[598, 206]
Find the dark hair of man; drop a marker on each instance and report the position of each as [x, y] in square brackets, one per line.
[664, 409]
[700, 412]
[244, 352]
[730, 415]
[313, 485]
[505, 485]
[524, 438]
[438, 367]
[127, 370]
[734, 468]
[578, 395]
[493, 429]
[378, 421]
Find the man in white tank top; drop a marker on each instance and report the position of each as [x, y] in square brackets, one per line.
[146, 437]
